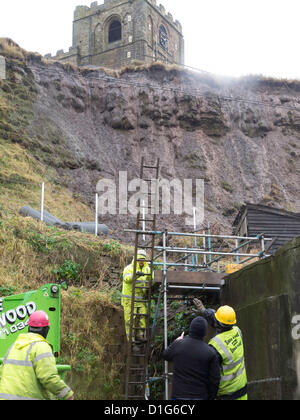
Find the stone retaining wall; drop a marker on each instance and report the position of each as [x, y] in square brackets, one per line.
[266, 296]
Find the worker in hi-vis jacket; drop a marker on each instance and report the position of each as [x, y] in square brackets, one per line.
[141, 288]
[29, 369]
[229, 347]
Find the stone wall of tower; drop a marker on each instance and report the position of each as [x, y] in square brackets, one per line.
[140, 20]
[157, 16]
[90, 33]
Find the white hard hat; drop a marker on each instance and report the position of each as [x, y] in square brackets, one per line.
[142, 254]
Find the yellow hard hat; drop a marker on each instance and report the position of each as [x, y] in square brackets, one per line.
[226, 315]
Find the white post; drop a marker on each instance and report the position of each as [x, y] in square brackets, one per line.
[144, 223]
[195, 239]
[194, 214]
[262, 244]
[42, 201]
[237, 251]
[204, 246]
[96, 214]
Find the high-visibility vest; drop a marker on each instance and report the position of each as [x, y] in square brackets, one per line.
[29, 371]
[141, 281]
[233, 372]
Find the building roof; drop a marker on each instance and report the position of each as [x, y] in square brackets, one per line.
[280, 225]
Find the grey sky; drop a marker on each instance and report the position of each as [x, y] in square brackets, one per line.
[229, 37]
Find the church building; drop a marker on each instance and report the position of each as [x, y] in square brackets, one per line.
[118, 32]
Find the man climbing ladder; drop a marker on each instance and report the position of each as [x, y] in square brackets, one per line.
[140, 305]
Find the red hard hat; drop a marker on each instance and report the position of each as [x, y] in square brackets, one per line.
[38, 319]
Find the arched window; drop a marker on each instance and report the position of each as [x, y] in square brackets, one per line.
[115, 31]
[163, 37]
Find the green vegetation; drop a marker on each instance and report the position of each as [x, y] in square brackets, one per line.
[69, 271]
[90, 336]
[113, 247]
[17, 94]
[7, 290]
[193, 160]
[47, 242]
[54, 254]
[227, 187]
[32, 254]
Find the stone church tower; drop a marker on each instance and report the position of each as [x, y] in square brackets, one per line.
[118, 32]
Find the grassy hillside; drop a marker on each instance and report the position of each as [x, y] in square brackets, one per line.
[22, 169]
[32, 254]
[92, 338]
[21, 177]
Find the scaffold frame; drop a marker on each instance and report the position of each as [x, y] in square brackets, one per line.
[210, 258]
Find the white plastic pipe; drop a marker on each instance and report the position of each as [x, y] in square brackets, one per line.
[144, 223]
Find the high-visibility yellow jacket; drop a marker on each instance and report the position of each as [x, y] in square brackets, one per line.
[29, 371]
[229, 345]
[141, 281]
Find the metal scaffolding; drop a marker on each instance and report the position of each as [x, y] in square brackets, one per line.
[181, 271]
[205, 258]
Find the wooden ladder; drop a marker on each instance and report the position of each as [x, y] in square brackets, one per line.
[138, 352]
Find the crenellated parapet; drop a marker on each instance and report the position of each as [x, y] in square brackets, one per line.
[168, 16]
[71, 56]
[82, 12]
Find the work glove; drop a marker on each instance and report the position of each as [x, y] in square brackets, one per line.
[181, 337]
[199, 305]
[140, 274]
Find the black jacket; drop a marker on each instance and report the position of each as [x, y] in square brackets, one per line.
[196, 366]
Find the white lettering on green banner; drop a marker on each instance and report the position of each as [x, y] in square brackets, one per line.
[9, 320]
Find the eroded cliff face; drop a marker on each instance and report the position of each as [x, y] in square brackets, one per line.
[241, 136]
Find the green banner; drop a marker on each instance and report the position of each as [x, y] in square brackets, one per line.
[15, 311]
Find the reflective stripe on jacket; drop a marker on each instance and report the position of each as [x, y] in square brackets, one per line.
[141, 281]
[29, 371]
[233, 372]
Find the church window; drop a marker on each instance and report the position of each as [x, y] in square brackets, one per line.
[163, 38]
[115, 31]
